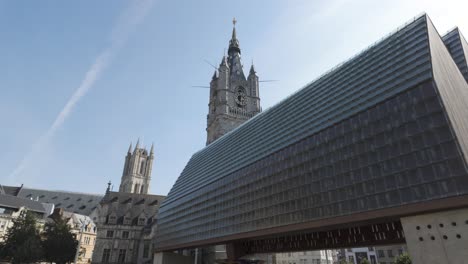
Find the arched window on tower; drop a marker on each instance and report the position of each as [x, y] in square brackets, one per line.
[135, 189]
[142, 166]
[142, 188]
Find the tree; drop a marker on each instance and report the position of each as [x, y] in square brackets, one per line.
[22, 241]
[364, 261]
[59, 242]
[403, 259]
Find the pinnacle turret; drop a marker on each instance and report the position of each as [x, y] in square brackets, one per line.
[224, 62]
[130, 148]
[137, 145]
[252, 70]
[215, 75]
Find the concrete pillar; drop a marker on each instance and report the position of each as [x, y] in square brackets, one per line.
[437, 238]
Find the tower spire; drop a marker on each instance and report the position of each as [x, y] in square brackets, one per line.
[231, 92]
[152, 149]
[234, 21]
[234, 43]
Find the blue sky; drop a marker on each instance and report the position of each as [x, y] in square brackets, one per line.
[80, 80]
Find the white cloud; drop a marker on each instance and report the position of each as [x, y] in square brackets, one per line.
[129, 19]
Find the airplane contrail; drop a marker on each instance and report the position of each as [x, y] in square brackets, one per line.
[129, 19]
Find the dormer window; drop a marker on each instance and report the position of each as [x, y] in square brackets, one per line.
[141, 221]
[127, 220]
[112, 219]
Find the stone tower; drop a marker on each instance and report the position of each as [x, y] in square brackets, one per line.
[136, 174]
[233, 97]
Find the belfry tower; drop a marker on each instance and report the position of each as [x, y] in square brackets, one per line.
[233, 97]
[136, 174]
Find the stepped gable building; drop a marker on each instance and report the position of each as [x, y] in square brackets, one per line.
[80, 203]
[233, 97]
[458, 48]
[126, 220]
[384, 131]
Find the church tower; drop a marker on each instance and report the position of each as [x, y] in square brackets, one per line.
[136, 174]
[233, 97]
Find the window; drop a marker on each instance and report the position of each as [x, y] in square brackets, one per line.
[390, 253]
[125, 234]
[142, 167]
[110, 233]
[380, 253]
[400, 251]
[122, 254]
[146, 250]
[371, 249]
[106, 255]
[142, 188]
[112, 219]
[141, 221]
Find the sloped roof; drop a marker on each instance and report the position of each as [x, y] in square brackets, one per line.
[336, 96]
[74, 218]
[10, 190]
[17, 202]
[132, 204]
[331, 149]
[81, 203]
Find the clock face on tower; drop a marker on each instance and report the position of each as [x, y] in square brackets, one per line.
[241, 97]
